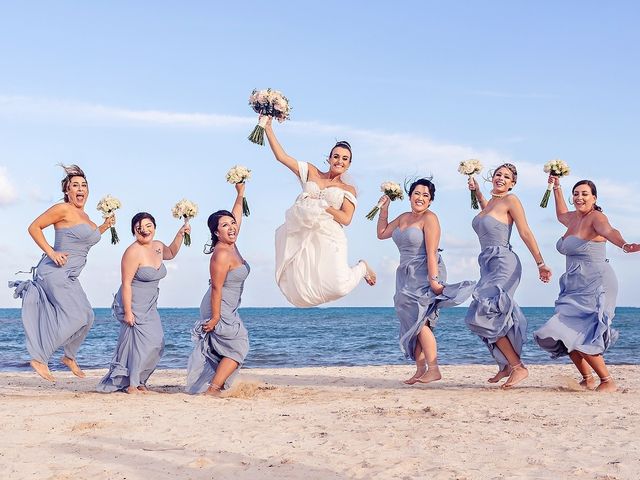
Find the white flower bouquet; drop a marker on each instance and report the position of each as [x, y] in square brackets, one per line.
[470, 168]
[268, 103]
[240, 174]
[107, 206]
[186, 210]
[392, 190]
[557, 168]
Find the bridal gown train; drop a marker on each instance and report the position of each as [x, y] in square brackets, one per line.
[311, 247]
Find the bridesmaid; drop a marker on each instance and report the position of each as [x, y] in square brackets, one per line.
[221, 341]
[420, 278]
[581, 325]
[493, 314]
[55, 310]
[141, 340]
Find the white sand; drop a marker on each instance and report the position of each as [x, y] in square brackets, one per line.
[323, 423]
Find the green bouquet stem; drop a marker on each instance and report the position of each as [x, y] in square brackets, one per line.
[257, 135]
[245, 207]
[114, 236]
[474, 200]
[372, 214]
[546, 196]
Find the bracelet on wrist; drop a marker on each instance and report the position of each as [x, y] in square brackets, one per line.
[540, 264]
[558, 187]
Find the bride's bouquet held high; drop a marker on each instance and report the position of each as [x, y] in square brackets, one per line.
[392, 190]
[557, 168]
[107, 206]
[470, 168]
[240, 174]
[186, 210]
[267, 103]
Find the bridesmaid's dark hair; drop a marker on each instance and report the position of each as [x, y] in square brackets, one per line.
[70, 171]
[425, 182]
[212, 223]
[592, 187]
[342, 144]
[138, 217]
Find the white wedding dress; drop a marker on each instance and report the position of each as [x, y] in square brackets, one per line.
[311, 247]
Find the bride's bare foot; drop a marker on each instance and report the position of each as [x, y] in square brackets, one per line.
[588, 382]
[500, 375]
[370, 276]
[73, 366]
[432, 375]
[420, 371]
[607, 385]
[42, 370]
[518, 373]
[214, 391]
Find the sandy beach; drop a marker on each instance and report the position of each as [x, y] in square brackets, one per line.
[323, 423]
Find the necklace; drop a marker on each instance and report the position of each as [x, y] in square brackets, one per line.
[499, 195]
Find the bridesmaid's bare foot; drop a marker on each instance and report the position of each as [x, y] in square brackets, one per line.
[370, 276]
[518, 373]
[214, 391]
[144, 389]
[432, 375]
[42, 370]
[607, 385]
[131, 390]
[73, 366]
[588, 382]
[420, 371]
[500, 375]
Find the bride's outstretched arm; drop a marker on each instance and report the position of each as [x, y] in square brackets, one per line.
[289, 162]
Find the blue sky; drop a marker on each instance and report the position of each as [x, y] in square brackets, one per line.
[151, 100]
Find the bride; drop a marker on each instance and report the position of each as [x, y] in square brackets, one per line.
[311, 247]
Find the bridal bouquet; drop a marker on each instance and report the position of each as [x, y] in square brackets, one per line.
[240, 174]
[107, 206]
[268, 103]
[470, 168]
[185, 209]
[557, 168]
[392, 190]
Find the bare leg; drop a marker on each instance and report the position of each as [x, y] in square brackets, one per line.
[505, 372]
[518, 371]
[73, 366]
[42, 370]
[225, 368]
[597, 363]
[421, 365]
[430, 348]
[583, 367]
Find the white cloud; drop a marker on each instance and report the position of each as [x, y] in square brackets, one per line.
[8, 193]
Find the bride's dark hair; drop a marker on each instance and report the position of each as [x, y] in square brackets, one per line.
[342, 144]
[212, 223]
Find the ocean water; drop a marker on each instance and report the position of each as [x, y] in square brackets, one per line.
[291, 337]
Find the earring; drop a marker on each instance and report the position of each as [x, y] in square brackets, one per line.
[570, 200]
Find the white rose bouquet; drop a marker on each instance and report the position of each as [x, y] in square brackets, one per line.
[470, 168]
[185, 209]
[107, 206]
[268, 103]
[240, 174]
[392, 190]
[557, 168]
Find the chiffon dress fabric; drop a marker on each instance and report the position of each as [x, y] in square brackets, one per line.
[415, 303]
[493, 313]
[228, 339]
[586, 305]
[140, 346]
[55, 310]
[311, 247]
